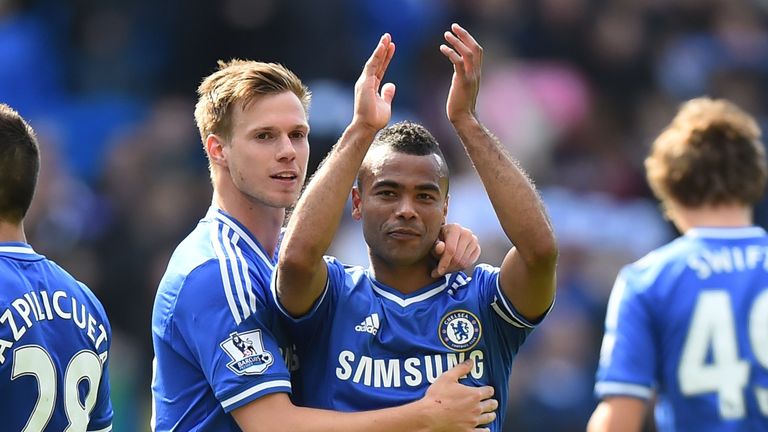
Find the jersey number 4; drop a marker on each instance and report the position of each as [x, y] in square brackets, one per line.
[713, 331]
[34, 360]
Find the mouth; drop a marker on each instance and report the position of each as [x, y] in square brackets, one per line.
[403, 234]
[285, 176]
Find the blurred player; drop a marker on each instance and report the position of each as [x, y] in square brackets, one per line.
[218, 363]
[377, 337]
[54, 334]
[689, 321]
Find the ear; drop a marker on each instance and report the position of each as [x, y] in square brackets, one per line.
[445, 209]
[216, 150]
[356, 204]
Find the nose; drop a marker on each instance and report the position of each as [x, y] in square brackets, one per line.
[405, 209]
[285, 150]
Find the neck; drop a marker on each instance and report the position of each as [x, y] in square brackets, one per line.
[404, 278]
[262, 221]
[723, 216]
[12, 232]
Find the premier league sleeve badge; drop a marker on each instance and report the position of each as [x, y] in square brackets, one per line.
[247, 353]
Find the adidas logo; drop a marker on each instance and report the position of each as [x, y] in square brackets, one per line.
[369, 325]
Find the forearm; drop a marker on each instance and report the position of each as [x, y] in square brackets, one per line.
[276, 413]
[317, 215]
[515, 200]
[619, 414]
[315, 220]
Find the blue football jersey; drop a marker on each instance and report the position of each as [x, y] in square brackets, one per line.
[689, 322]
[213, 334]
[365, 345]
[54, 344]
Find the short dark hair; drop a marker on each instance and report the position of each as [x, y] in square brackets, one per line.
[19, 165]
[409, 138]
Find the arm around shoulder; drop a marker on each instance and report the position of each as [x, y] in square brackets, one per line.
[618, 414]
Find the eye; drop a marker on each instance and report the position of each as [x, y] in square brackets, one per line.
[386, 194]
[298, 135]
[426, 197]
[264, 135]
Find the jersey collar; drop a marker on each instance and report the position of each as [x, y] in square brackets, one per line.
[219, 215]
[726, 232]
[405, 300]
[17, 250]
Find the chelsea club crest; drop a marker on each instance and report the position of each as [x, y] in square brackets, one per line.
[460, 330]
[247, 353]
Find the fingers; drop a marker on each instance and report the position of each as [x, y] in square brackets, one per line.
[378, 56]
[447, 255]
[459, 370]
[455, 58]
[488, 406]
[486, 392]
[387, 58]
[464, 35]
[464, 51]
[486, 418]
[388, 93]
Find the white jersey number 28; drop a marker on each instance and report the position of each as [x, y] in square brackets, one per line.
[713, 330]
[34, 360]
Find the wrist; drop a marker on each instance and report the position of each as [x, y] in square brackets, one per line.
[426, 414]
[362, 128]
[465, 122]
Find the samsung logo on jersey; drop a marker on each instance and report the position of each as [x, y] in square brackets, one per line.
[728, 260]
[40, 306]
[411, 371]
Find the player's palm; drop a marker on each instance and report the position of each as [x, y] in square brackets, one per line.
[373, 108]
[467, 58]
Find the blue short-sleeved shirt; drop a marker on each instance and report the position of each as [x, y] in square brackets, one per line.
[215, 342]
[689, 322]
[54, 345]
[365, 345]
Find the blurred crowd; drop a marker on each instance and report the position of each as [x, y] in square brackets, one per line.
[577, 90]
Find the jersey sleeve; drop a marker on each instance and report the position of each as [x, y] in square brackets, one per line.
[627, 358]
[101, 415]
[231, 340]
[491, 294]
[306, 325]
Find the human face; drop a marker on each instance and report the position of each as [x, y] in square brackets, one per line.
[402, 202]
[268, 150]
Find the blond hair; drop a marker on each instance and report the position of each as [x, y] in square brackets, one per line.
[241, 81]
[711, 154]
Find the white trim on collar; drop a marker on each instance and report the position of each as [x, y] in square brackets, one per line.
[216, 214]
[726, 233]
[27, 250]
[411, 300]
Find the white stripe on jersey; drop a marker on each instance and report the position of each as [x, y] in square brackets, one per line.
[237, 271]
[106, 429]
[273, 290]
[497, 309]
[508, 310]
[17, 250]
[623, 389]
[246, 277]
[233, 226]
[726, 233]
[406, 302]
[224, 273]
[255, 389]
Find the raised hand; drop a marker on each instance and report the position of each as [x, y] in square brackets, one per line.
[457, 248]
[467, 58]
[373, 108]
[452, 406]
